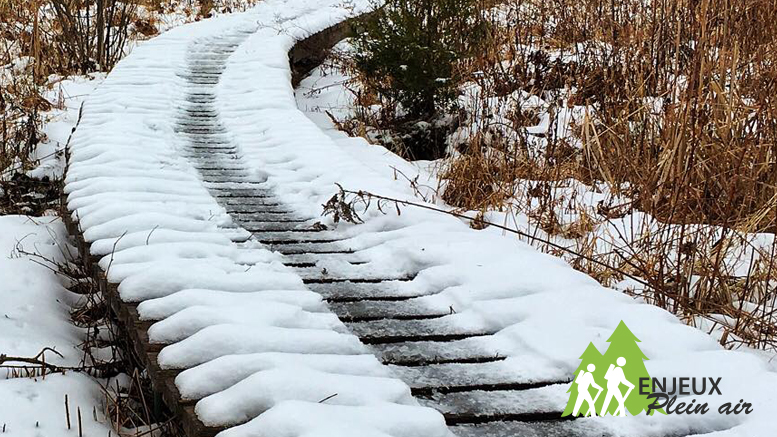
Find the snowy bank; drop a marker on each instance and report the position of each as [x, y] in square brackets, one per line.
[34, 315]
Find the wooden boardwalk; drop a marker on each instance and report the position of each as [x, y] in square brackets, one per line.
[443, 366]
[452, 369]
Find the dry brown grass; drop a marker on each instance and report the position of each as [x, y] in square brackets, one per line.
[681, 118]
[682, 100]
[51, 37]
[679, 128]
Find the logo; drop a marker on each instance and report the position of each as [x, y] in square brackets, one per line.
[605, 384]
[617, 383]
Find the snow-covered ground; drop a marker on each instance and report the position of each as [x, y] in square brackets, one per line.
[34, 315]
[34, 303]
[68, 94]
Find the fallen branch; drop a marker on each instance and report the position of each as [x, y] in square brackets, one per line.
[343, 208]
[38, 360]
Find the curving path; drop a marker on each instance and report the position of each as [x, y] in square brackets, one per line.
[195, 187]
[443, 364]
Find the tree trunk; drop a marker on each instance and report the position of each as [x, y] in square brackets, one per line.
[36, 42]
[100, 31]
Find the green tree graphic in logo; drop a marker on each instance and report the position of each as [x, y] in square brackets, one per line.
[585, 381]
[609, 383]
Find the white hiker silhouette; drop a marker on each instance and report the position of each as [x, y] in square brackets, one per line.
[615, 378]
[584, 380]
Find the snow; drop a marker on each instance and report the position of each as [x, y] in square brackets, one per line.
[187, 322]
[267, 388]
[226, 371]
[324, 420]
[323, 95]
[176, 252]
[164, 307]
[612, 239]
[35, 315]
[249, 334]
[60, 122]
[233, 339]
[36, 407]
[27, 286]
[35, 304]
[540, 308]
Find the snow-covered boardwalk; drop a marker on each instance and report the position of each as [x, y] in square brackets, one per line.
[198, 186]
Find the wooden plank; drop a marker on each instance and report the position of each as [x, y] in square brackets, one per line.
[416, 353]
[479, 406]
[573, 428]
[458, 377]
[369, 310]
[351, 291]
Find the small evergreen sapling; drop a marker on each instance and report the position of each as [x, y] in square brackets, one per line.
[408, 52]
